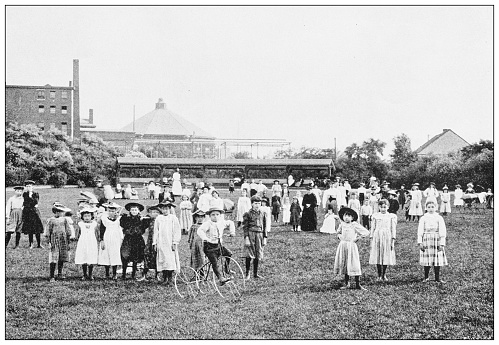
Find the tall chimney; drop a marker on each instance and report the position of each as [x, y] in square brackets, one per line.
[75, 123]
[91, 116]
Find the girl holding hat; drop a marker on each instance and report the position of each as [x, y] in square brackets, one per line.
[416, 209]
[148, 236]
[132, 247]
[185, 214]
[195, 242]
[458, 196]
[110, 239]
[431, 239]
[58, 234]
[87, 249]
[14, 214]
[347, 261]
[445, 201]
[31, 221]
[166, 238]
[383, 234]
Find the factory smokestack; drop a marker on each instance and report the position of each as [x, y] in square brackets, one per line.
[75, 121]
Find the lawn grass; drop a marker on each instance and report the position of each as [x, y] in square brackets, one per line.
[299, 299]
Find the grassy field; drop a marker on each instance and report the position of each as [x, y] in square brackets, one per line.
[299, 299]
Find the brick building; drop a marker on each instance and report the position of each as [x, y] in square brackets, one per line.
[46, 106]
[442, 144]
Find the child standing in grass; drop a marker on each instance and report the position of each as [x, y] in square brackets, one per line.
[185, 214]
[276, 206]
[14, 214]
[148, 236]
[87, 249]
[383, 234]
[354, 203]
[432, 234]
[110, 238]
[132, 247]
[243, 206]
[407, 207]
[445, 204]
[286, 210]
[366, 213]
[347, 259]
[295, 211]
[167, 236]
[58, 234]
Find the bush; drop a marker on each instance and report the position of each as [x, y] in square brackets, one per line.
[58, 179]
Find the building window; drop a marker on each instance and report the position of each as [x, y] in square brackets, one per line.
[41, 109]
[40, 94]
[41, 125]
[64, 127]
[52, 94]
[52, 126]
[64, 94]
[64, 109]
[52, 109]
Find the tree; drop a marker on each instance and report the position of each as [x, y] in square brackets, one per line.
[477, 148]
[402, 155]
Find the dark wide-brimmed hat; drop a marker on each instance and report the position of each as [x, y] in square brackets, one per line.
[152, 208]
[276, 181]
[198, 213]
[18, 187]
[166, 203]
[134, 204]
[255, 198]
[28, 182]
[266, 200]
[348, 210]
[214, 209]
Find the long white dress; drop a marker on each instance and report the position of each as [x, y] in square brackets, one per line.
[166, 233]
[431, 194]
[113, 236]
[383, 229]
[286, 210]
[177, 186]
[185, 215]
[416, 208]
[329, 224]
[347, 259]
[243, 206]
[458, 197]
[87, 249]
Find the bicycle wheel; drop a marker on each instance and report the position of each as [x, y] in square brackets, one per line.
[230, 268]
[186, 282]
[206, 279]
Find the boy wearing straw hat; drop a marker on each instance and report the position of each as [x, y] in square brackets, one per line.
[211, 232]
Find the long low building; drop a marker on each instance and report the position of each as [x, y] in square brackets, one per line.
[130, 167]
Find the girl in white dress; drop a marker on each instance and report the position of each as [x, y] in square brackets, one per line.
[243, 206]
[87, 249]
[445, 201]
[286, 210]
[416, 209]
[329, 224]
[185, 214]
[347, 259]
[165, 240]
[383, 234]
[431, 193]
[110, 238]
[431, 239]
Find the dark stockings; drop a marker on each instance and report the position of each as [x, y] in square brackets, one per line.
[248, 265]
[436, 269]
[167, 275]
[7, 238]
[107, 271]
[426, 272]
[357, 281]
[52, 269]
[38, 239]
[255, 267]
[90, 270]
[124, 265]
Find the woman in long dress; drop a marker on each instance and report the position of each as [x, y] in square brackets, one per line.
[177, 186]
[31, 221]
[309, 216]
[458, 196]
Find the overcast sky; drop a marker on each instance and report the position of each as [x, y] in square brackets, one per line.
[305, 74]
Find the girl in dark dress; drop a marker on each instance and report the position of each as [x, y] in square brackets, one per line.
[132, 247]
[295, 212]
[309, 216]
[149, 252]
[276, 207]
[32, 223]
